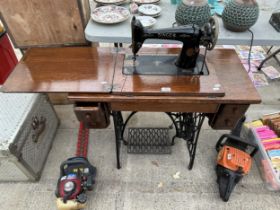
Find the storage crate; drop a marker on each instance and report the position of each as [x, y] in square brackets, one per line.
[28, 124]
[270, 176]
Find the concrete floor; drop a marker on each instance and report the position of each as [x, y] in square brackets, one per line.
[146, 181]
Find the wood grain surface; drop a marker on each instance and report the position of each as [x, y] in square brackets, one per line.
[88, 72]
[187, 85]
[73, 69]
[223, 112]
[229, 70]
[164, 107]
[95, 75]
[45, 23]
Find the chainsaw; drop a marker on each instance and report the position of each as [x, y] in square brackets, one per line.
[77, 176]
[234, 160]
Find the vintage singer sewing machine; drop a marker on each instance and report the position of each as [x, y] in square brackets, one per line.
[184, 73]
[188, 62]
[105, 81]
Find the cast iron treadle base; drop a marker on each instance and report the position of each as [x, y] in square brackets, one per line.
[187, 125]
[148, 141]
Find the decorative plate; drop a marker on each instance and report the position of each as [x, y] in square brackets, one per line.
[146, 1]
[149, 9]
[105, 2]
[154, 16]
[110, 14]
[147, 21]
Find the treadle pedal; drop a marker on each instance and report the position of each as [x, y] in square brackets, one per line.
[148, 141]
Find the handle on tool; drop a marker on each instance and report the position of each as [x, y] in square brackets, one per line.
[38, 127]
[72, 161]
[238, 127]
[235, 133]
[221, 142]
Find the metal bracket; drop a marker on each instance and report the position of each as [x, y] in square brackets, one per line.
[188, 126]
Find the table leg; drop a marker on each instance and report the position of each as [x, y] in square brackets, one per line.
[124, 126]
[268, 57]
[188, 126]
[118, 125]
[192, 144]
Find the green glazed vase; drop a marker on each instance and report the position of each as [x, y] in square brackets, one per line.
[193, 12]
[240, 15]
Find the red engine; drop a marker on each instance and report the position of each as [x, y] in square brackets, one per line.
[69, 187]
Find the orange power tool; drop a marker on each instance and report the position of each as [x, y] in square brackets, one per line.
[234, 160]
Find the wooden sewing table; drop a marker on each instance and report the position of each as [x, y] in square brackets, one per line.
[93, 76]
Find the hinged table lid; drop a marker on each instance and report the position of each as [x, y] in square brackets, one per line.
[68, 69]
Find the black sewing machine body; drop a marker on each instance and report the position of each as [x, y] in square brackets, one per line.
[188, 62]
[162, 65]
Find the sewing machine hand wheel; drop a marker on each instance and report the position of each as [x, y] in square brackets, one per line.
[213, 27]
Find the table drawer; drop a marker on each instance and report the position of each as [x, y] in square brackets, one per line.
[227, 116]
[93, 115]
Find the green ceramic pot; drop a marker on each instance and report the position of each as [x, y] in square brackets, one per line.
[240, 15]
[193, 12]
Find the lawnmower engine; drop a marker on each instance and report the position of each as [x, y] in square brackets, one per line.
[234, 160]
[76, 177]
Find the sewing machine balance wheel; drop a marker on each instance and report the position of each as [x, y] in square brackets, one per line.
[214, 25]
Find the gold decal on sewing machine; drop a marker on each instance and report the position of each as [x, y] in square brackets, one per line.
[166, 35]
